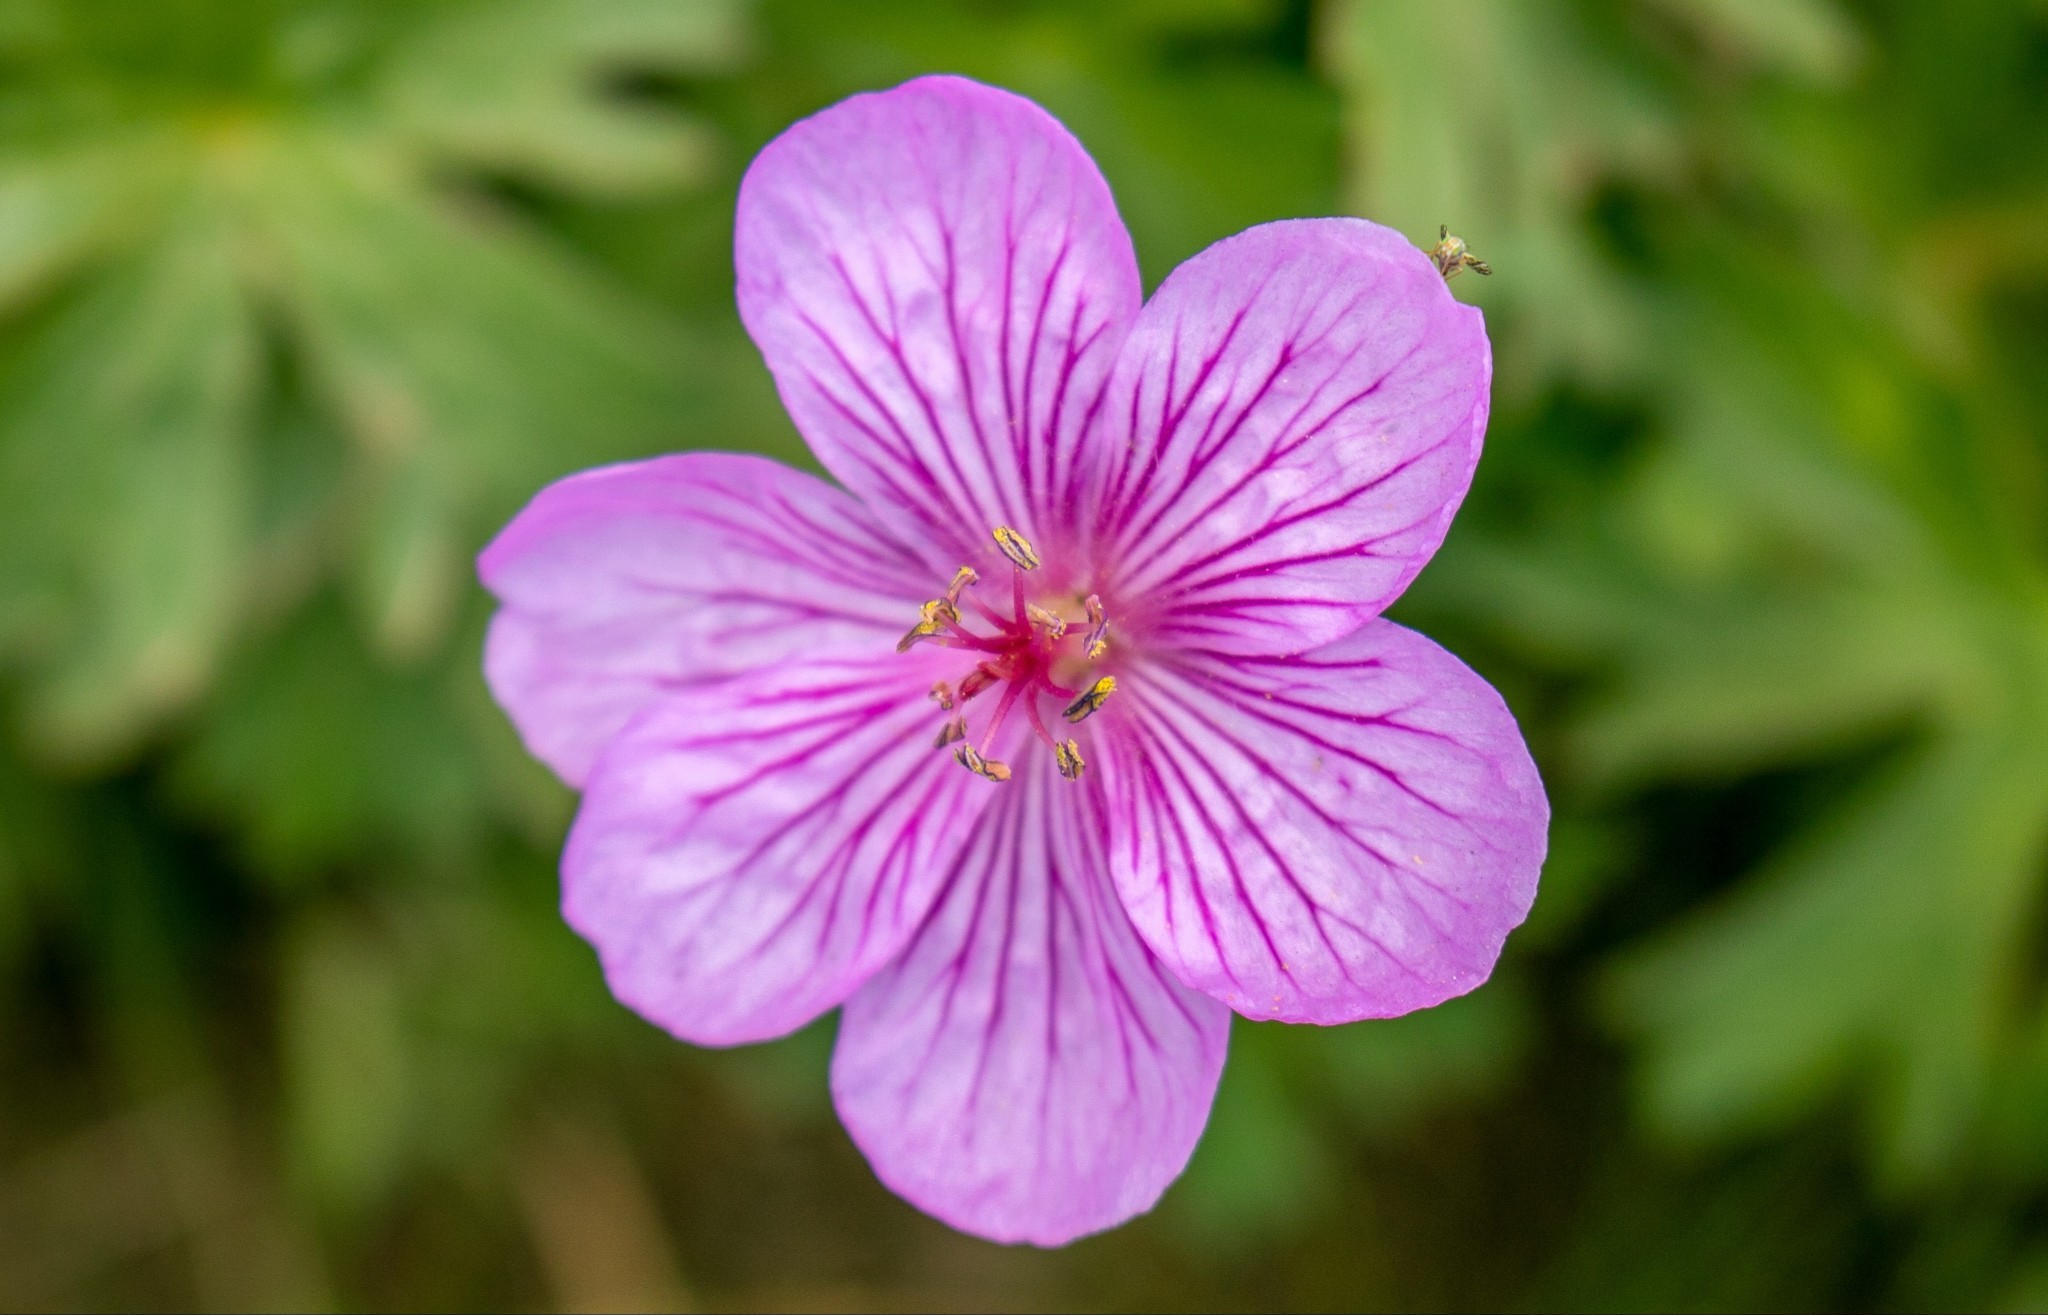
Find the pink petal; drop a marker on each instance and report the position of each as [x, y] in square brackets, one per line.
[1298, 412]
[749, 851]
[1347, 834]
[939, 281]
[1028, 1071]
[620, 583]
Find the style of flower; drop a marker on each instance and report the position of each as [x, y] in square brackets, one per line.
[1068, 724]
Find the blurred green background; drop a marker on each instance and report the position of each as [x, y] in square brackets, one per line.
[300, 299]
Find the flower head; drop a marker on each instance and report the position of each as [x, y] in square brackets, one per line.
[1068, 723]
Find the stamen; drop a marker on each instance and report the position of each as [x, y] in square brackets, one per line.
[935, 616]
[989, 768]
[1091, 700]
[1011, 692]
[1019, 655]
[1016, 547]
[916, 633]
[959, 636]
[987, 613]
[978, 680]
[1098, 628]
[1053, 687]
[1038, 723]
[1052, 623]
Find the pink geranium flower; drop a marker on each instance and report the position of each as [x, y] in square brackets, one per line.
[1066, 723]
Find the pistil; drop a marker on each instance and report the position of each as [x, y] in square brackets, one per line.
[1098, 628]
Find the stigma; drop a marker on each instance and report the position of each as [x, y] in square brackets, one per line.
[1013, 653]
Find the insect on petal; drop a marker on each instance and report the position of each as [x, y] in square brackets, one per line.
[1299, 410]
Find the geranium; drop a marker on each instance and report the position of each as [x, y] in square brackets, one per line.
[1069, 724]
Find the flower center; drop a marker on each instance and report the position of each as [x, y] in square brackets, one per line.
[1026, 655]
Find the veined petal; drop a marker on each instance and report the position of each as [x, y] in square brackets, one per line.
[1028, 1071]
[750, 851]
[1297, 414]
[621, 583]
[1347, 834]
[939, 281]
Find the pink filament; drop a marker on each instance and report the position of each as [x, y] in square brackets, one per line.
[1020, 655]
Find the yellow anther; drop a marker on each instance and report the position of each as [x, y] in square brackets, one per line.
[1069, 755]
[962, 578]
[1052, 623]
[1098, 628]
[951, 733]
[934, 616]
[980, 766]
[942, 694]
[1091, 699]
[1016, 547]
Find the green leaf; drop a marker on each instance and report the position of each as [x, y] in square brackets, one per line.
[124, 474]
[1883, 945]
[1809, 38]
[1715, 690]
[58, 209]
[467, 364]
[317, 754]
[269, 256]
[521, 86]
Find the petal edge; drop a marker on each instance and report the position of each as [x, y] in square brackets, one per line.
[1297, 412]
[1028, 1071]
[620, 583]
[1348, 834]
[750, 851]
[939, 281]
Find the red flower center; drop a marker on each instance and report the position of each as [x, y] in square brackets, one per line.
[1024, 653]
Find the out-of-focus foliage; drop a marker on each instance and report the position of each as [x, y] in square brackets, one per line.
[270, 330]
[1824, 547]
[300, 298]
[1831, 535]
